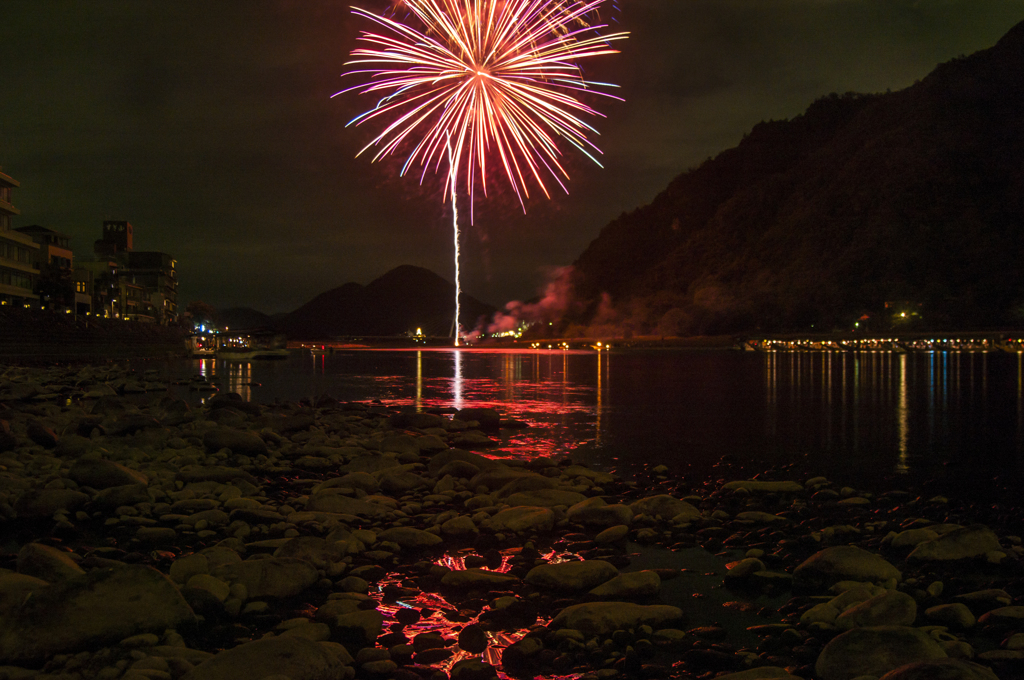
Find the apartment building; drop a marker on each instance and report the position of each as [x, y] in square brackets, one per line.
[18, 253]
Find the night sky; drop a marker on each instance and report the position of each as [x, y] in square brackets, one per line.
[209, 125]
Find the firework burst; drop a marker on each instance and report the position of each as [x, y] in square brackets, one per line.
[464, 84]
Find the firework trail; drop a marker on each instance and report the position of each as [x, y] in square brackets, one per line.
[468, 83]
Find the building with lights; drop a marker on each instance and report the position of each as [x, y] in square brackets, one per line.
[125, 283]
[18, 254]
[54, 265]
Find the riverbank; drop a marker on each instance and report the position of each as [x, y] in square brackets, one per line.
[35, 337]
[148, 535]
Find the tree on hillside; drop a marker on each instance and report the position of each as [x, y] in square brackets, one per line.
[201, 312]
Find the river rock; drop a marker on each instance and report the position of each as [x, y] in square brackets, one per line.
[666, 507]
[239, 442]
[410, 538]
[353, 480]
[358, 628]
[612, 534]
[47, 563]
[604, 618]
[911, 538]
[545, 498]
[116, 496]
[272, 577]
[875, 651]
[46, 502]
[313, 549]
[761, 673]
[633, 584]
[459, 526]
[441, 460]
[941, 669]
[475, 579]
[14, 588]
[891, 608]
[473, 669]
[844, 563]
[331, 501]
[956, 615]
[90, 611]
[970, 541]
[526, 518]
[294, 657]
[571, 576]
[595, 512]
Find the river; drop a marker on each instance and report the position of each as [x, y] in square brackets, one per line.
[862, 418]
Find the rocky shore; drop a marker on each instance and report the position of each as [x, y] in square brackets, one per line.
[151, 535]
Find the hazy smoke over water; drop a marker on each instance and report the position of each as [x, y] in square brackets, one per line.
[551, 306]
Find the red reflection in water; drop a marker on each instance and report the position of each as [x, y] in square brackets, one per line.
[440, 609]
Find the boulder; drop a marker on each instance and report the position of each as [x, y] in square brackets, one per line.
[474, 579]
[14, 588]
[47, 563]
[844, 563]
[523, 518]
[604, 618]
[46, 502]
[545, 498]
[664, 506]
[956, 616]
[971, 541]
[272, 577]
[410, 538]
[875, 651]
[91, 611]
[941, 669]
[239, 442]
[891, 608]
[294, 657]
[634, 584]
[595, 512]
[102, 474]
[459, 526]
[329, 501]
[571, 576]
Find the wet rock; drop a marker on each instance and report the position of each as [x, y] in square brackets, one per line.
[571, 576]
[612, 534]
[460, 526]
[521, 519]
[473, 579]
[875, 651]
[291, 656]
[116, 496]
[596, 512]
[473, 669]
[844, 563]
[488, 418]
[47, 563]
[329, 501]
[971, 541]
[762, 673]
[14, 588]
[941, 669]
[473, 639]
[46, 502]
[353, 480]
[891, 608]
[358, 628]
[239, 442]
[666, 507]
[634, 584]
[545, 498]
[759, 486]
[41, 434]
[273, 577]
[90, 611]
[956, 615]
[410, 538]
[99, 473]
[604, 618]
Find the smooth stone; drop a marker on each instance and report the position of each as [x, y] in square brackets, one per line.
[187, 566]
[891, 608]
[666, 507]
[361, 628]
[14, 588]
[941, 669]
[353, 480]
[956, 615]
[239, 442]
[911, 538]
[459, 526]
[761, 673]
[612, 534]
[115, 496]
[47, 563]
[845, 563]
[875, 651]
[400, 483]
[633, 584]
[292, 656]
[970, 541]
[521, 519]
[312, 549]
[89, 611]
[744, 569]
[1013, 614]
[210, 584]
[346, 505]
[473, 669]
[474, 579]
[604, 618]
[571, 576]
[47, 502]
[100, 473]
[545, 498]
[410, 538]
[441, 460]
[272, 577]
[760, 517]
[595, 512]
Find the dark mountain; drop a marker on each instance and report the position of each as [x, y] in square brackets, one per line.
[404, 299]
[913, 197]
[243, 318]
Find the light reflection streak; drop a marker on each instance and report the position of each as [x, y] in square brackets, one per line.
[419, 381]
[903, 420]
[457, 381]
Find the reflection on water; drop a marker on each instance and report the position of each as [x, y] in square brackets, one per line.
[882, 411]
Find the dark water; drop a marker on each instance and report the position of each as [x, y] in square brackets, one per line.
[857, 417]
